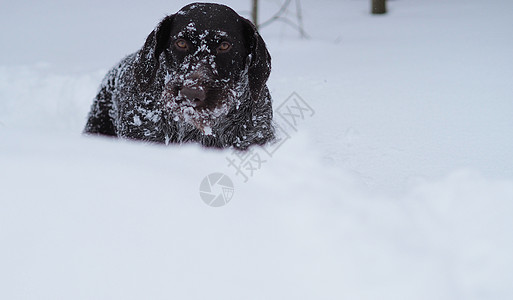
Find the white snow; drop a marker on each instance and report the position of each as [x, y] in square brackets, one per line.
[397, 185]
[137, 120]
[207, 130]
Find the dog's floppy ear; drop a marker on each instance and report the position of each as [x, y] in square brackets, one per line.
[147, 59]
[259, 60]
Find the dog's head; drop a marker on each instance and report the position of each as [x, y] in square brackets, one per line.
[213, 59]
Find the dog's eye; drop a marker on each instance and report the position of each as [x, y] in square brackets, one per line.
[181, 44]
[224, 47]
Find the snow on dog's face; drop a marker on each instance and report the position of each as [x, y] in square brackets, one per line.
[207, 59]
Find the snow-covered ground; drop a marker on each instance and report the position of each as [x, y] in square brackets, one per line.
[399, 184]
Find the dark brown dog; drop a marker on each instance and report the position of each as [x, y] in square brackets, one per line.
[200, 77]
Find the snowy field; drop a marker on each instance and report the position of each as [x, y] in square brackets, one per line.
[397, 184]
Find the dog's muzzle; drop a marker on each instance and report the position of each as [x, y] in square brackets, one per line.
[194, 93]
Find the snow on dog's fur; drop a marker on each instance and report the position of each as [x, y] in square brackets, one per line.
[200, 77]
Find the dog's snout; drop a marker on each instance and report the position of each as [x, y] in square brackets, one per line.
[194, 93]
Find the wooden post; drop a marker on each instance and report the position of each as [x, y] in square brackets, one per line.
[254, 13]
[379, 7]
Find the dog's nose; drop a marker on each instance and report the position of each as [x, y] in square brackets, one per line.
[193, 93]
